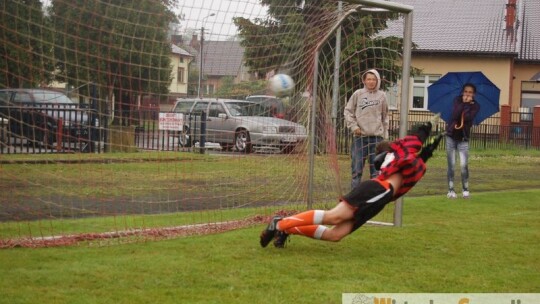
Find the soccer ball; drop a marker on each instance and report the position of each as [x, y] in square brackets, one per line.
[281, 84]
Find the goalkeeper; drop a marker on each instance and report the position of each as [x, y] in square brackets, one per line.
[401, 167]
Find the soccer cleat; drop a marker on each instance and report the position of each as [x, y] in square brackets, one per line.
[451, 194]
[281, 239]
[268, 234]
[466, 194]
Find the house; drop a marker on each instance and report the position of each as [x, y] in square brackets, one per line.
[221, 59]
[180, 62]
[501, 38]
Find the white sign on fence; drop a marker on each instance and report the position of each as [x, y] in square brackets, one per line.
[171, 121]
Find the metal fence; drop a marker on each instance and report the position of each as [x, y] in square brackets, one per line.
[147, 136]
[489, 135]
[50, 128]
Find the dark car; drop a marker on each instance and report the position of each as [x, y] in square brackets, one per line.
[46, 117]
[275, 105]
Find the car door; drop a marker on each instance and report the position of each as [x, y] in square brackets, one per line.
[5, 97]
[217, 127]
[10, 115]
[27, 118]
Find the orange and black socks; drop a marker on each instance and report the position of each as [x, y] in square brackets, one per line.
[312, 231]
[311, 217]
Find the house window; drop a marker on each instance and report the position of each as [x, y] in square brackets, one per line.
[181, 72]
[530, 94]
[420, 92]
[209, 89]
[181, 59]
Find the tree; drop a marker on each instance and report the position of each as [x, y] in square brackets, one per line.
[240, 90]
[26, 49]
[193, 80]
[121, 45]
[298, 26]
[264, 50]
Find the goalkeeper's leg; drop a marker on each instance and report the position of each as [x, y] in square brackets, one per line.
[323, 233]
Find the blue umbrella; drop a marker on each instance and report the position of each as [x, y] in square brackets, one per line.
[442, 93]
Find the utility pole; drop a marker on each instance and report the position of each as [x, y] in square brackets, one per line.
[201, 58]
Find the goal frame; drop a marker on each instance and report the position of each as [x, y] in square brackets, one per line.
[407, 12]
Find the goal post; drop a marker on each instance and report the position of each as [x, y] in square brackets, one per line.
[363, 5]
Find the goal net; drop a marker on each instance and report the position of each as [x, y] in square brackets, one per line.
[128, 120]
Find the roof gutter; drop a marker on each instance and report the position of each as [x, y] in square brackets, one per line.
[461, 53]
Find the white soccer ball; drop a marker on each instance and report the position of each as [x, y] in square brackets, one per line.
[281, 84]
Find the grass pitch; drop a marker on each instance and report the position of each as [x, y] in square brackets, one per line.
[489, 243]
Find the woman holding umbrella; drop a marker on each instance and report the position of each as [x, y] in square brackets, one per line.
[458, 132]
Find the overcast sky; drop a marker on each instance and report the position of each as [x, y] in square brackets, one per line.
[220, 26]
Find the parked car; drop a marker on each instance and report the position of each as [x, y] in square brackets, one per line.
[37, 114]
[244, 125]
[275, 106]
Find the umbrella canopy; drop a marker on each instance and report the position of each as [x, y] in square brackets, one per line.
[442, 93]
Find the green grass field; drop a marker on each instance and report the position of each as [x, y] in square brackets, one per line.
[489, 243]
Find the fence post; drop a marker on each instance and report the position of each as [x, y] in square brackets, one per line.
[536, 127]
[506, 120]
[59, 134]
[202, 143]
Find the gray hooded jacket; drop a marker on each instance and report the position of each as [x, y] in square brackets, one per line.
[368, 110]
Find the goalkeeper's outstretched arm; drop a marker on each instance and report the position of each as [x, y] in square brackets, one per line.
[427, 150]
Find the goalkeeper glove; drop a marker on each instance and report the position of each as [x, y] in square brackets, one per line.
[427, 150]
[379, 160]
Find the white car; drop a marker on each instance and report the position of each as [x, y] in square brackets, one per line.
[241, 124]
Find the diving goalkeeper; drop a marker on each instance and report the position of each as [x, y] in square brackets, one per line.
[401, 167]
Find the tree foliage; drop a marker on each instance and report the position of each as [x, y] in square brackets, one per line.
[290, 29]
[120, 45]
[26, 50]
[240, 90]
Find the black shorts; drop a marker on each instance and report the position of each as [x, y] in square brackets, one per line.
[368, 199]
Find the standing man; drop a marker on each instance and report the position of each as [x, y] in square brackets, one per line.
[366, 115]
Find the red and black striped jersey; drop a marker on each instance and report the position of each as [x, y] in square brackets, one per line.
[407, 162]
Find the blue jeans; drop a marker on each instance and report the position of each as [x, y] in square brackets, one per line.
[462, 147]
[363, 147]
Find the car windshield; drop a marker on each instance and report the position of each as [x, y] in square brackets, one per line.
[246, 109]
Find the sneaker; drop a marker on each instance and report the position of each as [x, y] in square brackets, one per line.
[268, 234]
[451, 194]
[466, 194]
[281, 239]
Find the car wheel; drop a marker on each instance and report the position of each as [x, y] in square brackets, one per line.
[242, 142]
[184, 138]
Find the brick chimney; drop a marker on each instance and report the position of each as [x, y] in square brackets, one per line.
[510, 17]
[194, 43]
[177, 39]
